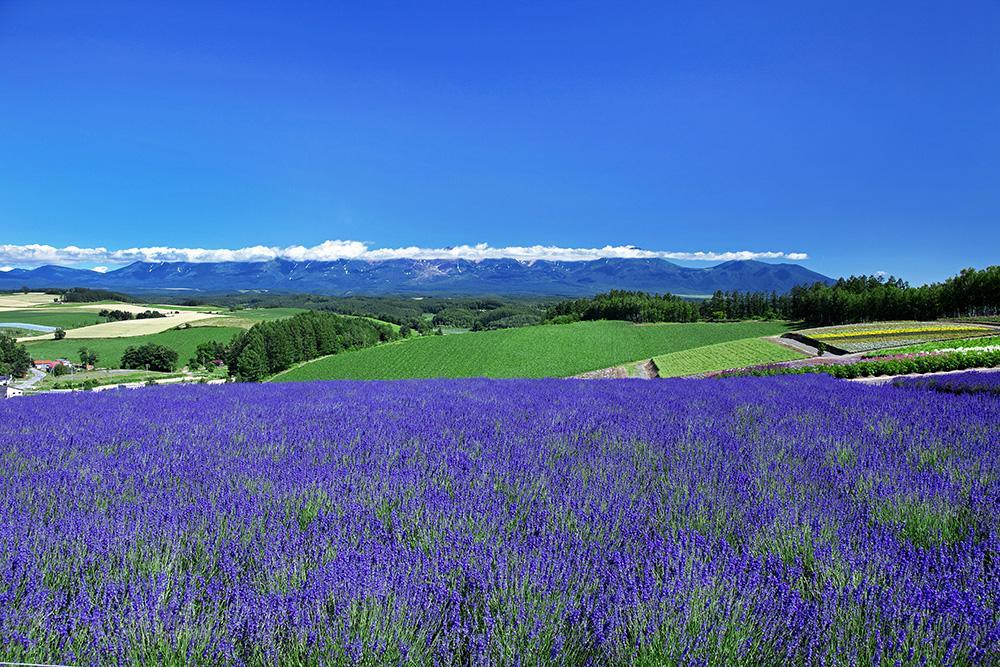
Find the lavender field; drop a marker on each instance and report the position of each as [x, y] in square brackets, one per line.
[746, 521]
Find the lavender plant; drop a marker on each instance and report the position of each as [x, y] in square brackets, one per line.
[971, 382]
[744, 521]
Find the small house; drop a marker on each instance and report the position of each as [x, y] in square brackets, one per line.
[7, 391]
[45, 364]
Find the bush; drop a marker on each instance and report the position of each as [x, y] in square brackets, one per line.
[60, 334]
[151, 357]
[933, 363]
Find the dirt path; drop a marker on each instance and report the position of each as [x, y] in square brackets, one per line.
[643, 370]
[798, 346]
[886, 379]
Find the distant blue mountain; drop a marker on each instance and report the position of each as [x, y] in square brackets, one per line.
[437, 277]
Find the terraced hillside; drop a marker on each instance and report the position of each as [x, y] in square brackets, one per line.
[723, 356]
[540, 351]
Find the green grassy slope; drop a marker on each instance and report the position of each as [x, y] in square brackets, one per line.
[539, 351]
[110, 350]
[64, 317]
[245, 319]
[720, 356]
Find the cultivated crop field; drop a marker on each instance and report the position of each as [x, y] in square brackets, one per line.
[502, 522]
[538, 351]
[132, 327]
[66, 318]
[720, 356]
[981, 342]
[883, 335]
[18, 300]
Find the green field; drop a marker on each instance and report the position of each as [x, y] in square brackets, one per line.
[538, 351]
[110, 350]
[14, 332]
[67, 318]
[244, 319]
[963, 343]
[722, 356]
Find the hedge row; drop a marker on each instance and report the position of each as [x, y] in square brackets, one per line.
[954, 361]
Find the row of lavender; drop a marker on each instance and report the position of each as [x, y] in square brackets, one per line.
[797, 520]
[855, 367]
[970, 382]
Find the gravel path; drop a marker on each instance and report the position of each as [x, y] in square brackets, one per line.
[885, 379]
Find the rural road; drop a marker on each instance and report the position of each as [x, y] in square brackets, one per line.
[798, 346]
[36, 377]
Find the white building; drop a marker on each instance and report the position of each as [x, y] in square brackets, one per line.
[8, 391]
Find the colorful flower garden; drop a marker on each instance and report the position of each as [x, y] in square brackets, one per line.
[882, 335]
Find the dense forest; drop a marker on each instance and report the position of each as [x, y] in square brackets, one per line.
[14, 358]
[856, 299]
[87, 295]
[271, 347]
[871, 298]
[625, 305]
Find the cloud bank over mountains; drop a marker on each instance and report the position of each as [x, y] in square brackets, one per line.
[38, 254]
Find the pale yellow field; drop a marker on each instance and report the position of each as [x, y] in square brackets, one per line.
[21, 301]
[127, 307]
[128, 327]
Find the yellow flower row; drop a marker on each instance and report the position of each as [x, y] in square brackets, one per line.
[895, 332]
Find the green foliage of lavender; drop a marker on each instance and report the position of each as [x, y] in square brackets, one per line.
[931, 363]
[743, 521]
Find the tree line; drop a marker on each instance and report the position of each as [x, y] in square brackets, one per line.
[124, 315]
[625, 305]
[271, 347]
[971, 293]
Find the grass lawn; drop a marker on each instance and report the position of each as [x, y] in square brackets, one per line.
[538, 351]
[14, 332]
[721, 356]
[248, 317]
[66, 318]
[110, 350]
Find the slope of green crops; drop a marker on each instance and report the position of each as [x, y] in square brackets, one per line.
[65, 318]
[110, 350]
[721, 356]
[538, 351]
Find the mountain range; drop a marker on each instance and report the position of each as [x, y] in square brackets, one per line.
[420, 276]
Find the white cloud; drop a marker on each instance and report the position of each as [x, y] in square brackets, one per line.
[5, 269]
[38, 254]
[99, 269]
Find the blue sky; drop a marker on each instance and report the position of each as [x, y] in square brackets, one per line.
[866, 136]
